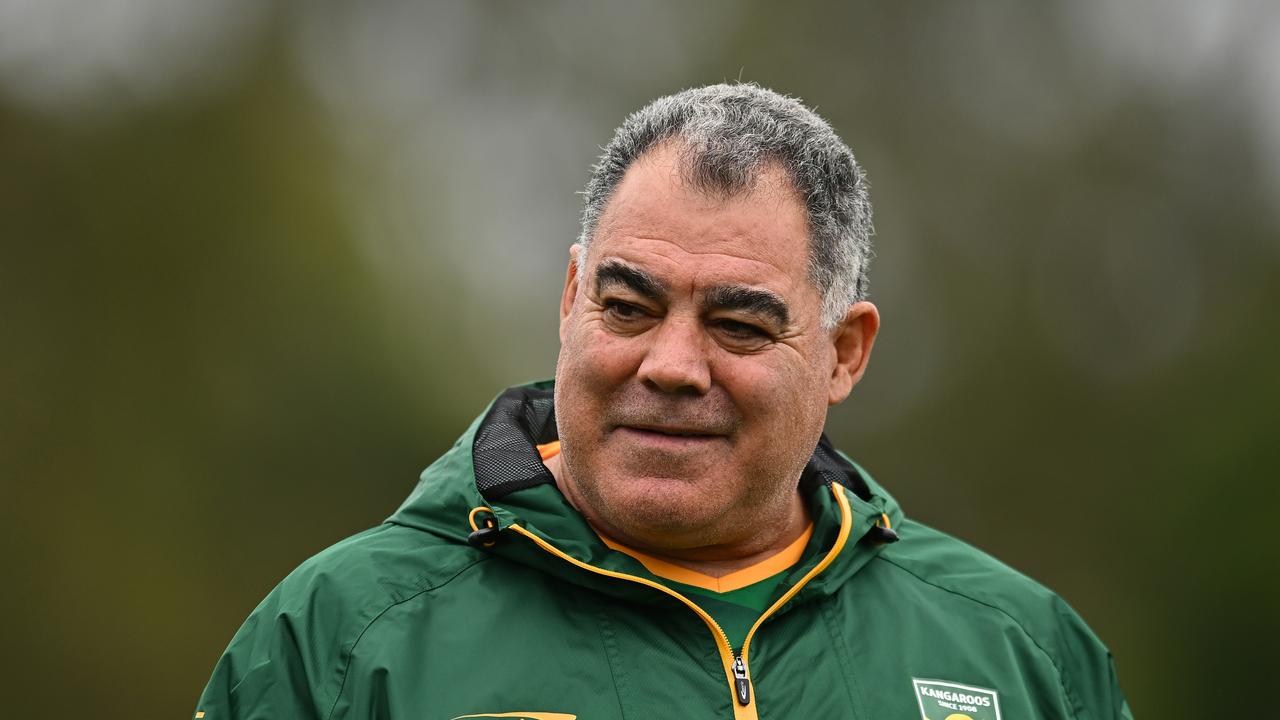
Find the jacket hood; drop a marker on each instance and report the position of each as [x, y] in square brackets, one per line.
[495, 466]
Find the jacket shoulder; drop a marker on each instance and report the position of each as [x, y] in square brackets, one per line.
[945, 564]
[290, 657]
[383, 565]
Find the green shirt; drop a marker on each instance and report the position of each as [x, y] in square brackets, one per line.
[736, 610]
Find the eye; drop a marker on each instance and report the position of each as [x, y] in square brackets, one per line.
[627, 318]
[738, 330]
[623, 310]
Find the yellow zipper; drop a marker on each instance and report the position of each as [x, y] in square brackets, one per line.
[736, 670]
[846, 526]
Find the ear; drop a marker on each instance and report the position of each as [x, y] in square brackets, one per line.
[570, 292]
[852, 340]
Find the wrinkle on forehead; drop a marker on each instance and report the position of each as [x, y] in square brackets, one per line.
[675, 251]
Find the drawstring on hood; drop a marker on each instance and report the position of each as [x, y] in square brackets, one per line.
[882, 532]
[483, 537]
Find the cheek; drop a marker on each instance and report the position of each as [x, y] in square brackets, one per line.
[785, 402]
[767, 385]
[592, 365]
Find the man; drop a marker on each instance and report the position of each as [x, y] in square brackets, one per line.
[664, 531]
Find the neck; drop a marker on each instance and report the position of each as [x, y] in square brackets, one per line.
[714, 559]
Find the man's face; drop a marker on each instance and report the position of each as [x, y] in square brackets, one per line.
[694, 375]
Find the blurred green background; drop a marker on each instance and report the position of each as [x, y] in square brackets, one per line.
[260, 262]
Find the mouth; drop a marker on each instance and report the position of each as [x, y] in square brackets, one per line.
[670, 435]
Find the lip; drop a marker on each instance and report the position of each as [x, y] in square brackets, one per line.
[669, 437]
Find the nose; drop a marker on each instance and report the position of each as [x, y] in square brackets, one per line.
[677, 359]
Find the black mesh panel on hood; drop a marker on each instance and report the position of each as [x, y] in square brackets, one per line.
[504, 452]
[826, 467]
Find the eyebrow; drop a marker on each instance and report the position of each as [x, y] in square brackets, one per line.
[749, 299]
[742, 298]
[616, 272]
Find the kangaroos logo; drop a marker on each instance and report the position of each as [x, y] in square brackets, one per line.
[940, 700]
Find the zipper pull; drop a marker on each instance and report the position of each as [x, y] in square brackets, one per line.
[741, 683]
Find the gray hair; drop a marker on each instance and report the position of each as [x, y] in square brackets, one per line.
[728, 133]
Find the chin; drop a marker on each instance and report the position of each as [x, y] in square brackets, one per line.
[657, 506]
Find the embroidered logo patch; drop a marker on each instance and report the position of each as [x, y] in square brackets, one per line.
[942, 700]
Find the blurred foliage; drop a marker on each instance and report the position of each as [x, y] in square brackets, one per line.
[241, 311]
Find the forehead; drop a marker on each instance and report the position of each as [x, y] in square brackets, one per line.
[682, 233]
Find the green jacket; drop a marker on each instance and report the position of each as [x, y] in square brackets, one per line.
[536, 618]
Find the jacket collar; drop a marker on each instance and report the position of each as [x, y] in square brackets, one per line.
[496, 465]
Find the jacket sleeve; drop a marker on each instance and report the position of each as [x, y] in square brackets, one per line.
[268, 670]
[1089, 676]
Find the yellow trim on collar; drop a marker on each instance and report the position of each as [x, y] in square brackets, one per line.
[767, 568]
